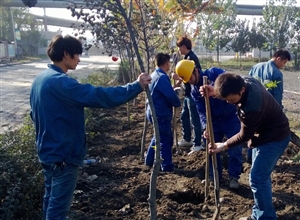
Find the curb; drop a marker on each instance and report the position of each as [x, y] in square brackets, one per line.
[16, 63]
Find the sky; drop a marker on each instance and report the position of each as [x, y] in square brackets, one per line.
[66, 14]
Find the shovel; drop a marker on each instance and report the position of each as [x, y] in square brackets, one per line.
[206, 170]
[214, 157]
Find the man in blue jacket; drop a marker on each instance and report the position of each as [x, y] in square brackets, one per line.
[164, 98]
[224, 119]
[269, 72]
[57, 109]
[189, 115]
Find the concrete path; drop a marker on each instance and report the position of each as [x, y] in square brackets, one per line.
[15, 84]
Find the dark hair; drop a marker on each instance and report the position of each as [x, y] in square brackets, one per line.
[228, 84]
[162, 58]
[283, 54]
[59, 45]
[184, 41]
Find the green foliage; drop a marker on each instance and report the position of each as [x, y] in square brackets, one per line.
[256, 38]
[295, 39]
[240, 41]
[124, 72]
[297, 158]
[244, 63]
[217, 27]
[101, 77]
[149, 28]
[276, 22]
[6, 28]
[271, 84]
[30, 30]
[268, 84]
[21, 182]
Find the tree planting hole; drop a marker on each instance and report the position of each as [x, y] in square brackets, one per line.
[187, 197]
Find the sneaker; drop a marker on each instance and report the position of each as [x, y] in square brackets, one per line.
[234, 183]
[196, 148]
[184, 143]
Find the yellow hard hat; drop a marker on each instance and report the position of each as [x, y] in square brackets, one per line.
[184, 69]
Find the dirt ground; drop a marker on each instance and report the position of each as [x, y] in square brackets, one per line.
[117, 187]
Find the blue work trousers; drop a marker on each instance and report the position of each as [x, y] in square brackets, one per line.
[189, 115]
[166, 143]
[249, 155]
[264, 159]
[228, 127]
[60, 183]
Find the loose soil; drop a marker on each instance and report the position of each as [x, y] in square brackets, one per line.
[117, 187]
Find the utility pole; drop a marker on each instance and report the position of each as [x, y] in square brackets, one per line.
[45, 20]
[14, 32]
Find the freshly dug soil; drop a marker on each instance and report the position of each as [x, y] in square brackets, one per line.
[117, 187]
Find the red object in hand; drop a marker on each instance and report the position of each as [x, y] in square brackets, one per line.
[114, 58]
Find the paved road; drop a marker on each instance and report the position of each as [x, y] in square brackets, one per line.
[15, 83]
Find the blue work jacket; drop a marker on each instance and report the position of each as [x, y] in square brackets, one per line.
[268, 72]
[163, 95]
[57, 109]
[220, 109]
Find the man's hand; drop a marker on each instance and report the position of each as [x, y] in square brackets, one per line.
[144, 79]
[176, 77]
[218, 147]
[209, 89]
[206, 134]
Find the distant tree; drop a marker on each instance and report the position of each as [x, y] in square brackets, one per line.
[256, 38]
[295, 39]
[240, 39]
[277, 16]
[216, 26]
[29, 27]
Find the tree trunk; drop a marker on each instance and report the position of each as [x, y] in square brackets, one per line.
[144, 136]
[157, 162]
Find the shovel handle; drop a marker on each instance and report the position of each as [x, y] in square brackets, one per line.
[209, 128]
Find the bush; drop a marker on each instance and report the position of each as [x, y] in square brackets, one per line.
[124, 72]
[21, 183]
[101, 77]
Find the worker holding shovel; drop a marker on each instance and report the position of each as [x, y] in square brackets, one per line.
[265, 127]
[224, 119]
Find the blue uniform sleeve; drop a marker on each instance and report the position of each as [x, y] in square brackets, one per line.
[200, 105]
[87, 95]
[212, 74]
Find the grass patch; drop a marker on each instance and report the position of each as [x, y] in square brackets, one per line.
[297, 158]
